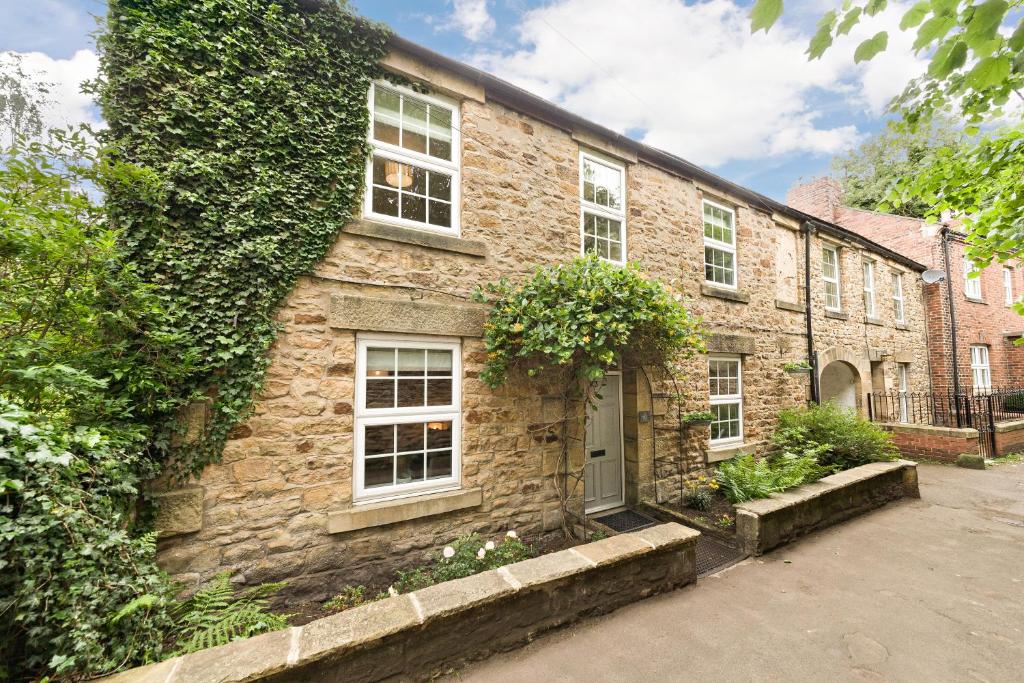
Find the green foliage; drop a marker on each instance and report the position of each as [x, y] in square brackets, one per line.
[79, 592]
[215, 615]
[869, 173]
[840, 438]
[22, 100]
[1014, 401]
[698, 416]
[585, 315]
[796, 366]
[700, 498]
[745, 477]
[468, 555]
[251, 117]
[349, 597]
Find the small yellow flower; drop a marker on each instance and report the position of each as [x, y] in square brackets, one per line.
[586, 339]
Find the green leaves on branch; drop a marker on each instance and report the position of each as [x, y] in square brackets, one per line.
[585, 316]
[764, 14]
[871, 47]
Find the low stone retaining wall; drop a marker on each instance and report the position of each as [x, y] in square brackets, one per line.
[415, 635]
[1009, 437]
[764, 524]
[932, 443]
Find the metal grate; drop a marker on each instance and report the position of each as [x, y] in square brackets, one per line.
[625, 520]
[713, 555]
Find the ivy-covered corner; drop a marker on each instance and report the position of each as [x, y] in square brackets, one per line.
[253, 117]
[583, 319]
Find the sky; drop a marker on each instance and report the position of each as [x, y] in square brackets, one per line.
[682, 75]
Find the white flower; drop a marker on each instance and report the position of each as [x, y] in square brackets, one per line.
[512, 534]
[489, 545]
[480, 554]
[448, 552]
[391, 591]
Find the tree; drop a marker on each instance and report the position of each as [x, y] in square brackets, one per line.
[870, 172]
[976, 67]
[22, 100]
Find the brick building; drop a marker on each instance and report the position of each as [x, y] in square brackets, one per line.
[374, 442]
[987, 326]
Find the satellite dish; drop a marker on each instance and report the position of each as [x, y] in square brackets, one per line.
[930, 277]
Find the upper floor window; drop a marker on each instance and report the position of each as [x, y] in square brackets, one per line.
[413, 178]
[719, 245]
[897, 297]
[603, 207]
[1008, 286]
[830, 275]
[725, 388]
[408, 416]
[972, 285]
[981, 374]
[869, 289]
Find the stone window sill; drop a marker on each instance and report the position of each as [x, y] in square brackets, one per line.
[727, 294]
[402, 510]
[902, 326]
[872, 321]
[720, 453]
[973, 300]
[837, 315]
[790, 306]
[420, 238]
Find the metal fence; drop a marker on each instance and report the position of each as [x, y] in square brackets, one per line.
[980, 410]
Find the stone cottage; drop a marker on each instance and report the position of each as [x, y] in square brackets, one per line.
[374, 442]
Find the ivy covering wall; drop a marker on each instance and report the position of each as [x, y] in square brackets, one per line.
[253, 115]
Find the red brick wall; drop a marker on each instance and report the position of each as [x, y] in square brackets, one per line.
[930, 444]
[1011, 441]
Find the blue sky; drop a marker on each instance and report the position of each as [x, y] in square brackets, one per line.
[684, 76]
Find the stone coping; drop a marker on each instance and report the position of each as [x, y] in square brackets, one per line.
[767, 523]
[402, 510]
[722, 293]
[965, 433]
[420, 238]
[1002, 427]
[413, 635]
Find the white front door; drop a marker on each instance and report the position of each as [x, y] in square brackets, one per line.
[603, 475]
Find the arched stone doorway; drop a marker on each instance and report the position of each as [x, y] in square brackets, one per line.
[840, 383]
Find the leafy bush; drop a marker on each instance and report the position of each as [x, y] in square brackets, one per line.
[215, 615]
[585, 314]
[1014, 402]
[468, 555]
[846, 440]
[699, 493]
[745, 477]
[78, 591]
[351, 596]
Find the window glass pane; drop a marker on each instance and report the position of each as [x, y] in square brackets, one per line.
[411, 362]
[416, 181]
[439, 464]
[410, 392]
[409, 468]
[380, 362]
[602, 226]
[385, 202]
[439, 392]
[380, 393]
[414, 208]
[440, 133]
[589, 224]
[615, 251]
[414, 124]
[386, 116]
[589, 244]
[439, 435]
[410, 437]
[379, 439]
[602, 184]
[440, 214]
[440, 186]
[439, 362]
[614, 230]
[378, 472]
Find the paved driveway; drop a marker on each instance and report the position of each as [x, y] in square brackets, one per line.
[921, 590]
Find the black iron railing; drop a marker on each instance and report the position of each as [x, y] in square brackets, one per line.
[974, 409]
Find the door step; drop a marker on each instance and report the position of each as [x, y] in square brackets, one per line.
[625, 520]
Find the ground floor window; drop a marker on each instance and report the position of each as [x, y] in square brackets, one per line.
[902, 371]
[725, 388]
[980, 372]
[408, 416]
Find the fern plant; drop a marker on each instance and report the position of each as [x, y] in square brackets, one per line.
[215, 615]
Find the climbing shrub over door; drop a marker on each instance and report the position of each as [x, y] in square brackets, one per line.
[253, 115]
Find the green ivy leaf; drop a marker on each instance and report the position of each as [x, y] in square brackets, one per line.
[871, 47]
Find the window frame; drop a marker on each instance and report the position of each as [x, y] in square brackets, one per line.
[837, 280]
[364, 416]
[1008, 286]
[898, 303]
[971, 284]
[869, 292]
[728, 399]
[709, 242]
[977, 366]
[902, 390]
[422, 160]
[599, 210]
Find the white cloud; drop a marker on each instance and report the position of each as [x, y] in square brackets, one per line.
[471, 18]
[69, 105]
[696, 82]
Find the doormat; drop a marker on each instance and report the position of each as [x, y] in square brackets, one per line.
[713, 555]
[625, 520]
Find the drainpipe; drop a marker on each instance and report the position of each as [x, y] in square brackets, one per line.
[812, 355]
[952, 327]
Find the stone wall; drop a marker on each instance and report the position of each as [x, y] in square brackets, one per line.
[280, 503]
[924, 442]
[414, 636]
